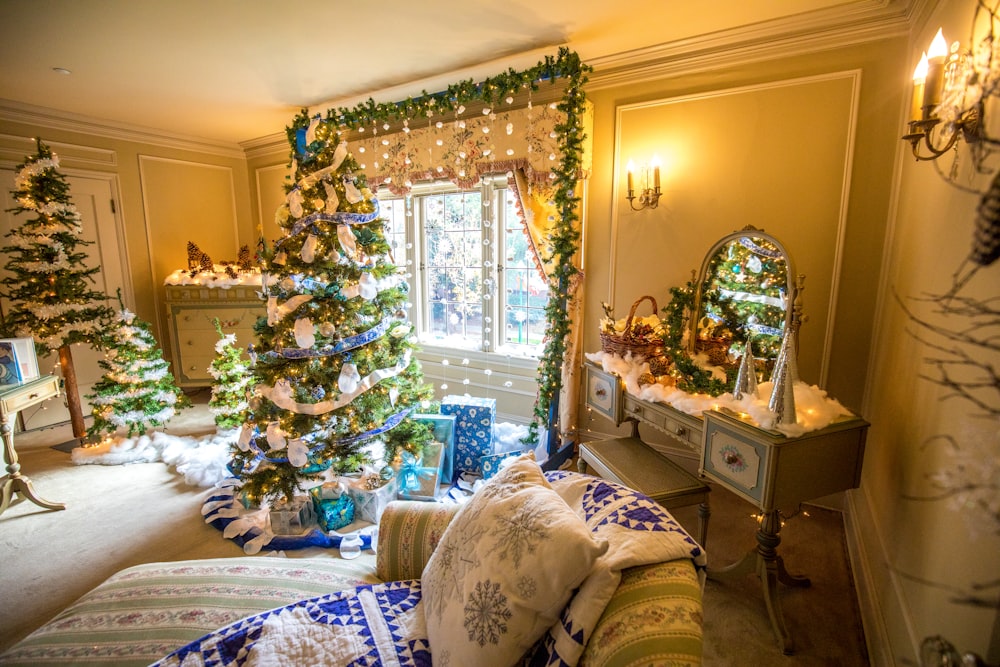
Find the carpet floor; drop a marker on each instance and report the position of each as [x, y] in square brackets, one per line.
[118, 516]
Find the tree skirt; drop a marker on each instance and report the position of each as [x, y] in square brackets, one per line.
[201, 460]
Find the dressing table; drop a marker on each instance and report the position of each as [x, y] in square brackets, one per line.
[765, 467]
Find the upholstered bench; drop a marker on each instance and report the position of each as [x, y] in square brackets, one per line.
[633, 463]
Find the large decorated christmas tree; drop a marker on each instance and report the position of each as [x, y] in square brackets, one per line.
[136, 391]
[50, 284]
[337, 377]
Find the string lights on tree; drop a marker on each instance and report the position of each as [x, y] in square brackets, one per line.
[50, 281]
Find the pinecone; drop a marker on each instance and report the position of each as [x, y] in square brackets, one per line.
[243, 260]
[206, 263]
[231, 272]
[986, 236]
[194, 255]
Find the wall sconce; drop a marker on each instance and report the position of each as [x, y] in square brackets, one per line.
[949, 89]
[649, 197]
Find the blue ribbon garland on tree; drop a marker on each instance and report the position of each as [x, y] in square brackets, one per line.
[389, 424]
[346, 344]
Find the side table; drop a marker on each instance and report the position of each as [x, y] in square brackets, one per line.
[12, 400]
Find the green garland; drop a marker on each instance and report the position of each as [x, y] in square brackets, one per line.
[563, 243]
[690, 377]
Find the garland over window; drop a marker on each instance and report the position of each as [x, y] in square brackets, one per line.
[494, 92]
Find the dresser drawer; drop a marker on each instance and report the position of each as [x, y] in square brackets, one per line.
[187, 318]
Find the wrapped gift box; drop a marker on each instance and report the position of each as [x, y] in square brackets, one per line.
[292, 518]
[443, 428]
[370, 503]
[419, 478]
[474, 418]
[334, 507]
[490, 464]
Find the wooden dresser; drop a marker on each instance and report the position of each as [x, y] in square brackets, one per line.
[191, 310]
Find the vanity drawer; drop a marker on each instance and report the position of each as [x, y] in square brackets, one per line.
[21, 396]
[604, 392]
[664, 418]
[736, 462]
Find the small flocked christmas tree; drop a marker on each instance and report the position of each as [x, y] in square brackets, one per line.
[335, 365]
[50, 285]
[231, 380]
[137, 390]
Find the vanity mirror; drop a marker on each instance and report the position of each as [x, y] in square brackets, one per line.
[744, 291]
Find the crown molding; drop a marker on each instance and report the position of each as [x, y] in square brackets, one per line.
[270, 145]
[837, 27]
[19, 112]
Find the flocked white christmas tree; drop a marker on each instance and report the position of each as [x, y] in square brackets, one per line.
[231, 379]
[50, 285]
[137, 391]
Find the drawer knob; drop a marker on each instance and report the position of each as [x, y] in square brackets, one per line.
[600, 392]
[730, 458]
[190, 342]
[193, 368]
[35, 395]
[680, 430]
[636, 409]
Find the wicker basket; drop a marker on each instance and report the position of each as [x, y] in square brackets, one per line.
[623, 343]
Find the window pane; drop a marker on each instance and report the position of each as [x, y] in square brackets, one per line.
[526, 290]
[394, 213]
[454, 271]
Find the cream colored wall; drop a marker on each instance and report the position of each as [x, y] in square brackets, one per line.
[167, 195]
[922, 555]
[730, 160]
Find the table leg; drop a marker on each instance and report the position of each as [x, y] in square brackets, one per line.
[14, 482]
[769, 566]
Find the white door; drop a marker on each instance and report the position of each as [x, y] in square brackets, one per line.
[94, 195]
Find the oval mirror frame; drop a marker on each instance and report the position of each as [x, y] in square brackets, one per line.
[697, 322]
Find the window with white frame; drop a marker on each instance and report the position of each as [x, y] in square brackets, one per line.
[474, 281]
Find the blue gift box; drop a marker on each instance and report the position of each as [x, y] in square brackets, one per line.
[490, 464]
[443, 428]
[474, 418]
[419, 478]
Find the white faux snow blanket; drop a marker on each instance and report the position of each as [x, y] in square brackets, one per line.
[384, 624]
[201, 461]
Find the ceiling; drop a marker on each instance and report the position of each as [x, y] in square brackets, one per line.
[231, 71]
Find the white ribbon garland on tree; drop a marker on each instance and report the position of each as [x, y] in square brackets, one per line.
[282, 395]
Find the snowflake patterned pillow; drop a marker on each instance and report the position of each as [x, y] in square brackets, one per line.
[504, 569]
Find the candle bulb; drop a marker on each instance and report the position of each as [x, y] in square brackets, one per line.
[919, 77]
[936, 55]
[656, 172]
[629, 168]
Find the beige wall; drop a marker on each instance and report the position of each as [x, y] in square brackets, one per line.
[167, 194]
[923, 555]
[800, 147]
